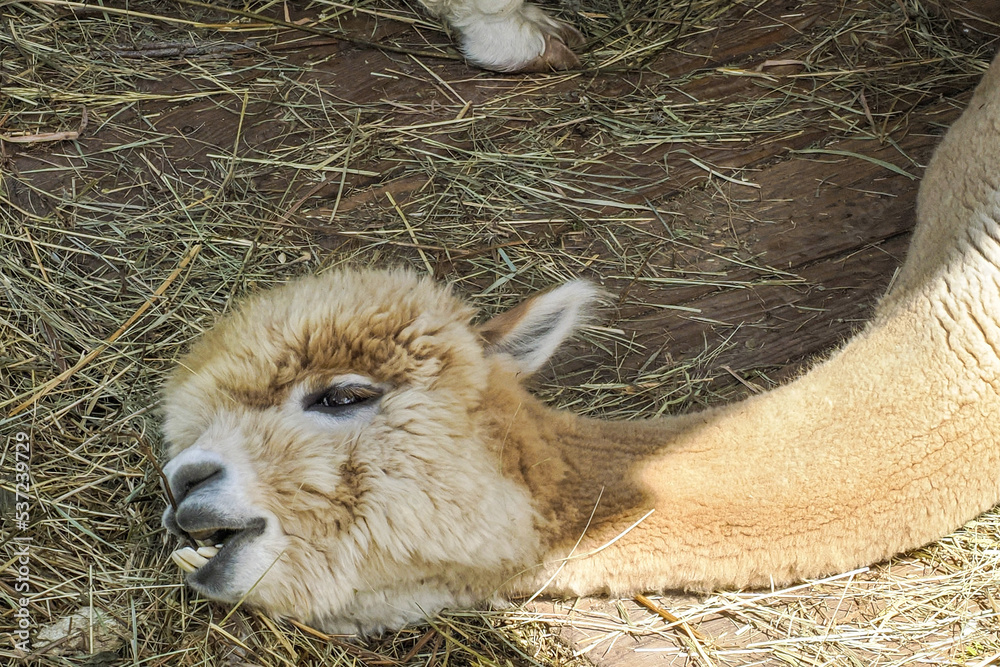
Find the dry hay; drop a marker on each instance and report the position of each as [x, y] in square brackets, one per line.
[217, 156]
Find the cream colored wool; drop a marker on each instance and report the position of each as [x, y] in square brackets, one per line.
[509, 35]
[457, 486]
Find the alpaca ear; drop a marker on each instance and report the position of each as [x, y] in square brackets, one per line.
[533, 330]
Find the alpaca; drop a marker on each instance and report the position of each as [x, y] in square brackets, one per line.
[509, 35]
[350, 451]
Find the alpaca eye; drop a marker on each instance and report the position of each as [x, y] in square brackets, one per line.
[340, 399]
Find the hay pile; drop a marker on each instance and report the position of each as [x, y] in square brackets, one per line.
[160, 159]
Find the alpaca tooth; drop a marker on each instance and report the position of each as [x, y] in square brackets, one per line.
[191, 557]
[181, 563]
[218, 546]
[207, 551]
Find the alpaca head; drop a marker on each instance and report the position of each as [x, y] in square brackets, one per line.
[330, 436]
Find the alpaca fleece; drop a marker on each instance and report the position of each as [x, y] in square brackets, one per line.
[454, 486]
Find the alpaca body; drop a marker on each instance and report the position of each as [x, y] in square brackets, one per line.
[886, 446]
[842, 468]
[365, 457]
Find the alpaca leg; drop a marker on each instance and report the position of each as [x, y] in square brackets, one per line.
[509, 35]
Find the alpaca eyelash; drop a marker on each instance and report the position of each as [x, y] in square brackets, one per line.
[339, 399]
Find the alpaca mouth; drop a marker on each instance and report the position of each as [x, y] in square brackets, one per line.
[216, 538]
[208, 544]
[191, 560]
[211, 542]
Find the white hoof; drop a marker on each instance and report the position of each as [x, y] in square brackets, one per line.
[523, 40]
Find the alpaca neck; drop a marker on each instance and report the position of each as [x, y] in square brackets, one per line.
[865, 456]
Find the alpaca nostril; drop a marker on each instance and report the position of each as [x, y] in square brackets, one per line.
[190, 476]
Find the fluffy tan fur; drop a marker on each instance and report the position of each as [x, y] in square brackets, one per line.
[509, 35]
[381, 520]
[458, 485]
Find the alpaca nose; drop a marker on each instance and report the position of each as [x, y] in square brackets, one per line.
[208, 499]
[193, 476]
[193, 469]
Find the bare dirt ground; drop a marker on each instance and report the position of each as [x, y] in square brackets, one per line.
[739, 176]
